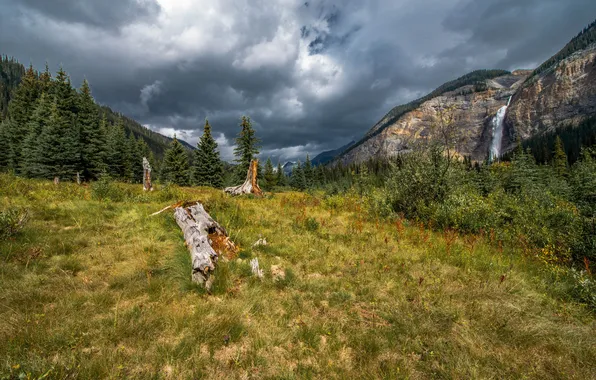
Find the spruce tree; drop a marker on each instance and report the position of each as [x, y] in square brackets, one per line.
[207, 166]
[269, 175]
[175, 164]
[298, 180]
[320, 179]
[308, 172]
[67, 129]
[560, 158]
[20, 110]
[45, 80]
[135, 160]
[59, 144]
[280, 175]
[91, 139]
[117, 150]
[246, 148]
[4, 158]
[31, 165]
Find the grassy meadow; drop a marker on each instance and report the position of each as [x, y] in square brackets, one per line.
[93, 287]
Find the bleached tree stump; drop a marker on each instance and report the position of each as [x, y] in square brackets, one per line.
[206, 240]
[147, 186]
[250, 186]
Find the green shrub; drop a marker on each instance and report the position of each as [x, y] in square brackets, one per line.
[12, 220]
[105, 189]
[311, 224]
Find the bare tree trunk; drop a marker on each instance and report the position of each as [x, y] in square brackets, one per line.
[250, 186]
[206, 240]
[147, 186]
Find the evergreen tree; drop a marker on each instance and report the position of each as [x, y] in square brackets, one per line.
[308, 172]
[320, 179]
[45, 80]
[560, 158]
[280, 175]
[67, 127]
[116, 150]
[4, 157]
[175, 164]
[20, 111]
[59, 144]
[269, 175]
[246, 148]
[207, 166]
[91, 139]
[135, 160]
[31, 165]
[298, 180]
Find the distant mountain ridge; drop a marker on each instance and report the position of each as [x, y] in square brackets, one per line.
[328, 156]
[561, 92]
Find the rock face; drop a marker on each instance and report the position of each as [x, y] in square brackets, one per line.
[564, 94]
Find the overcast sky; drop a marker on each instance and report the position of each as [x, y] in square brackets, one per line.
[312, 75]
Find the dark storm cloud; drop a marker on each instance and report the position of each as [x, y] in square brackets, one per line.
[312, 76]
[102, 13]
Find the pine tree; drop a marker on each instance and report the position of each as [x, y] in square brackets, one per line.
[135, 160]
[91, 139]
[308, 172]
[32, 154]
[59, 143]
[20, 110]
[207, 166]
[560, 158]
[45, 80]
[175, 164]
[298, 180]
[280, 175]
[116, 150]
[67, 129]
[246, 148]
[4, 157]
[320, 179]
[269, 175]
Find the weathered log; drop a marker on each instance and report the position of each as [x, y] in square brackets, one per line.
[206, 240]
[250, 186]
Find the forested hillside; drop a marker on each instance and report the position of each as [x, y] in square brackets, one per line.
[11, 75]
[11, 72]
[584, 39]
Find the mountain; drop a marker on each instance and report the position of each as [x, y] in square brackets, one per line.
[559, 93]
[288, 166]
[11, 72]
[157, 142]
[328, 156]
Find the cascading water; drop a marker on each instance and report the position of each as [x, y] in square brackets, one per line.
[498, 122]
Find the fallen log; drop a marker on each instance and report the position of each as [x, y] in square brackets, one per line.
[250, 186]
[206, 240]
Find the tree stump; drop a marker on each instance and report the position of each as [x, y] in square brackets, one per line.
[250, 186]
[147, 186]
[206, 240]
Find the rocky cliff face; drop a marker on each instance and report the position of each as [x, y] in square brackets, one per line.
[561, 95]
[472, 111]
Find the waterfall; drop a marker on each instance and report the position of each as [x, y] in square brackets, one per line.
[498, 123]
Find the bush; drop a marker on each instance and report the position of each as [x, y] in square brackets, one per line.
[105, 189]
[12, 220]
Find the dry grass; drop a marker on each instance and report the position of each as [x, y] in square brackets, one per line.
[94, 289]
